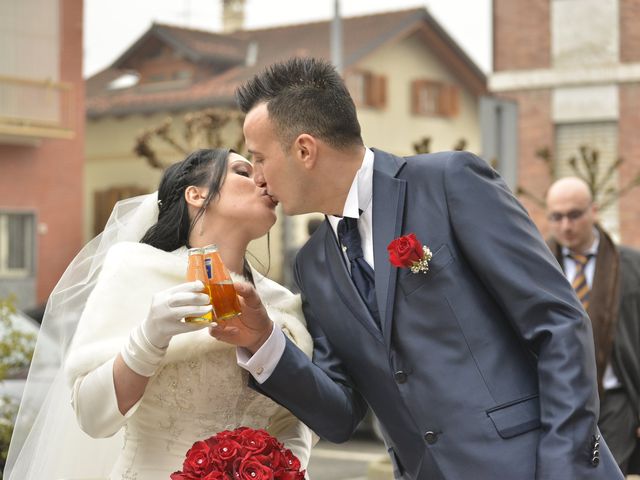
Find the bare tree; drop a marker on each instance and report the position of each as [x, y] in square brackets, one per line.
[203, 129]
[424, 145]
[588, 167]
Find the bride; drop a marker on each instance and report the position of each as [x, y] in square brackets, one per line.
[133, 369]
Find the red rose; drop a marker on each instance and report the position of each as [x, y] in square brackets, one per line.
[215, 475]
[184, 476]
[226, 449]
[225, 435]
[258, 441]
[290, 461]
[199, 459]
[404, 251]
[289, 475]
[250, 468]
[274, 458]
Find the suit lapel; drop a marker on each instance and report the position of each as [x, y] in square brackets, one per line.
[388, 212]
[344, 286]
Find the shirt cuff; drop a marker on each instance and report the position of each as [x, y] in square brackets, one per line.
[262, 363]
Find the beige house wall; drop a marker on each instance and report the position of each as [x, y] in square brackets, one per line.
[395, 128]
[110, 141]
[110, 161]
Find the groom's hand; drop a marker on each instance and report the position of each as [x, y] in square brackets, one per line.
[249, 330]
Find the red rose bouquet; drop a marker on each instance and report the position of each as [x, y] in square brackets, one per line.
[241, 454]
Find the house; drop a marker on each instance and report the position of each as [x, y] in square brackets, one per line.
[409, 79]
[41, 145]
[573, 68]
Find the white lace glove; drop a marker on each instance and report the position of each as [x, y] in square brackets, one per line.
[148, 342]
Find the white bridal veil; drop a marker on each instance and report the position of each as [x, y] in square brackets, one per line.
[46, 442]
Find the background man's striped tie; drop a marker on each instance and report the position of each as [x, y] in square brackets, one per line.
[579, 283]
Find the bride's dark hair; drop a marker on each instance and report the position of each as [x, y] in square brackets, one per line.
[206, 167]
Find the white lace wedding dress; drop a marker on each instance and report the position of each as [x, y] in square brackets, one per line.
[199, 390]
[188, 401]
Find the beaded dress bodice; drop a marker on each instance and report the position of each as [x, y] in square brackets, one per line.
[187, 401]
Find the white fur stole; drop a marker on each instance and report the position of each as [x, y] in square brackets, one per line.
[131, 274]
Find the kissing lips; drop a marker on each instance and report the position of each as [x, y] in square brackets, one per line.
[273, 201]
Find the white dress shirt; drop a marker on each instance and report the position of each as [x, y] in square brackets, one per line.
[359, 198]
[609, 379]
[262, 363]
[571, 266]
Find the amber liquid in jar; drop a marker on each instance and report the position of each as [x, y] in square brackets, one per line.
[196, 271]
[223, 296]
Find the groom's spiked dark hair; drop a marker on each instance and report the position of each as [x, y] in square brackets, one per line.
[304, 95]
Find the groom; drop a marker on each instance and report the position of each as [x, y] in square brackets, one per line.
[481, 367]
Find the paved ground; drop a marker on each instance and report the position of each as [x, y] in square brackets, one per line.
[347, 461]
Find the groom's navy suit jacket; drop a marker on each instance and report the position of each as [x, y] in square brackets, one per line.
[484, 367]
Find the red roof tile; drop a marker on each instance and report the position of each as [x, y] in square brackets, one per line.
[361, 36]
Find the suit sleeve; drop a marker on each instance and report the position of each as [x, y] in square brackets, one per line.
[318, 392]
[506, 251]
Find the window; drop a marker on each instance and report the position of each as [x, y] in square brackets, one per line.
[157, 77]
[434, 99]
[104, 201]
[367, 89]
[17, 238]
[182, 75]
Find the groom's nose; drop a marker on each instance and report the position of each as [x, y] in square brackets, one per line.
[258, 178]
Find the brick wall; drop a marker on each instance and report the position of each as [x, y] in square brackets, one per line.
[630, 30]
[535, 131]
[521, 34]
[629, 149]
[47, 178]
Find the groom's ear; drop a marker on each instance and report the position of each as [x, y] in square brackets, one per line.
[305, 149]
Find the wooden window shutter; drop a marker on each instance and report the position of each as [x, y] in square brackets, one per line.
[416, 85]
[378, 91]
[449, 101]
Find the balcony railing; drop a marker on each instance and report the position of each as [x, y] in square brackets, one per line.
[32, 109]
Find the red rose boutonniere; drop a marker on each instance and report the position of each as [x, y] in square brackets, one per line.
[408, 252]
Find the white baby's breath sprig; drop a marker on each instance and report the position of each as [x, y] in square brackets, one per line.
[422, 266]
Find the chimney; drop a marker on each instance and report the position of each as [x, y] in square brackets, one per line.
[232, 15]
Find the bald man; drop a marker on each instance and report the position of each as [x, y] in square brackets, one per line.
[606, 278]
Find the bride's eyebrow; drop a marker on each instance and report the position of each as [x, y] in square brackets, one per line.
[242, 161]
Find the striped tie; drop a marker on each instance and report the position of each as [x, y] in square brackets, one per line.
[579, 283]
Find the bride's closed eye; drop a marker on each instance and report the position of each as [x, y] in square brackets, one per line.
[243, 169]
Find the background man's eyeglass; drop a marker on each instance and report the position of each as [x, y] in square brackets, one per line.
[571, 215]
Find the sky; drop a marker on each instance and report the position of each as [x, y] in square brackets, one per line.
[111, 26]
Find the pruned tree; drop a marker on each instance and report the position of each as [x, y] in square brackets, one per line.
[210, 128]
[424, 145]
[587, 166]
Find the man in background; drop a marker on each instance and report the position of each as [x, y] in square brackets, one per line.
[606, 278]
